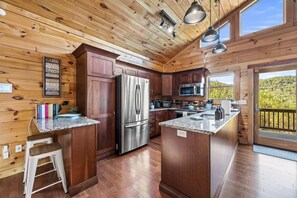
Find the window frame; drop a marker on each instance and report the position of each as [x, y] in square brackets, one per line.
[220, 27]
[220, 74]
[288, 20]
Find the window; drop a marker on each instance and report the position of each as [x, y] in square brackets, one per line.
[261, 15]
[221, 86]
[224, 34]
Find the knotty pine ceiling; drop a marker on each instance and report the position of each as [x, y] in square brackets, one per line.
[131, 24]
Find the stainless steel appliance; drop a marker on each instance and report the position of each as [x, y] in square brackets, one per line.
[132, 129]
[167, 103]
[195, 89]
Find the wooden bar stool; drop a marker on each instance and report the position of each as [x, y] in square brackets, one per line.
[38, 152]
[45, 138]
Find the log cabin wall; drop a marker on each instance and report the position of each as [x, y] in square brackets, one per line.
[24, 39]
[277, 43]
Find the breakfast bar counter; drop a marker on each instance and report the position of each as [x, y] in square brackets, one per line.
[77, 136]
[195, 154]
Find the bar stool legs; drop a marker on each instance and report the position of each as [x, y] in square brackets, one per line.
[53, 150]
[31, 141]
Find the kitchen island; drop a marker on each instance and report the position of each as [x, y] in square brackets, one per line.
[196, 152]
[77, 136]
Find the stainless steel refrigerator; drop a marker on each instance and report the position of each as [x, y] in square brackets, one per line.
[132, 113]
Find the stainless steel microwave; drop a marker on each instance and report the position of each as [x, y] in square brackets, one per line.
[195, 89]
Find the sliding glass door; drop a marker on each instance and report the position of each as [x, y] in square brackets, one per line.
[275, 107]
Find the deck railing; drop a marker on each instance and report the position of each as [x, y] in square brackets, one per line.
[278, 119]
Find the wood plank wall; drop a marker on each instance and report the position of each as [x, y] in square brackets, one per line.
[24, 39]
[279, 43]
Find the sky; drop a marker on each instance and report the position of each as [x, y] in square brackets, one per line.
[261, 15]
[276, 74]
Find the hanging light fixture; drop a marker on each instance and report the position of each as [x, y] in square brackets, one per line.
[211, 34]
[2, 12]
[220, 47]
[194, 14]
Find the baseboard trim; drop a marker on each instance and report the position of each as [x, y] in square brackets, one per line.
[171, 191]
[74, 190]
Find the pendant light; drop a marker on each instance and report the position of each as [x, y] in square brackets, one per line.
[211, 34]
[194, 14]
[220, 47]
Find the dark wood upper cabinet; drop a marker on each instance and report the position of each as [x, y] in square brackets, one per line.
[100, 66]
[166, 84]
[144, 74]
[175, 84]
[197, 76]
[185, 78]
[157, 85]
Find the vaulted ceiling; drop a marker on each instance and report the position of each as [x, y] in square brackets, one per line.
[131, 24]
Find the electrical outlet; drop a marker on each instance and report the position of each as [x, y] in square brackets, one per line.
[18, 148]
[182, 133]
[5, 151]
[242, 102]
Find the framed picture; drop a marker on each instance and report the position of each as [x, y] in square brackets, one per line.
[51, 77]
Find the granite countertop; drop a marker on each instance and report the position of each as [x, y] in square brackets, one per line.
[50, 124]
[207, 125]
[163, 109]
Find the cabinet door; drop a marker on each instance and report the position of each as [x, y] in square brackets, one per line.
[157, 85]
[152, 85]
[185, 78]
[100, 66]
[143, 74]
[171, 114]
[160, 117]
[105, 137]
[175, 84]
[196, 76]
[101, 106]
[166, 84]
[152, 124]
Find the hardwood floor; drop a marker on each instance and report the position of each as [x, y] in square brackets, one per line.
[137, 174]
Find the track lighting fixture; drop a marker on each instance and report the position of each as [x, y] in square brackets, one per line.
[2, 12]
[194, 14]
[162, 23]
[174, 33]
[167, 22]
[169, 28]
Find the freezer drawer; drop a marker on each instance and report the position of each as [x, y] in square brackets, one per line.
[133, 135]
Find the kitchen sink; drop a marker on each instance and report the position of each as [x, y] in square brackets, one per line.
[206, 115]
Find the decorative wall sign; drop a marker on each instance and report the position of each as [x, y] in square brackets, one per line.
[51, 77]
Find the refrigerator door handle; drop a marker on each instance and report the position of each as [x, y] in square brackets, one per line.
[137, 99]
[135, 125]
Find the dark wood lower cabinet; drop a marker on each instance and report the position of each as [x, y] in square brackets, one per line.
[171, 114]
[105, 137]
[195, 165]
[79, 153]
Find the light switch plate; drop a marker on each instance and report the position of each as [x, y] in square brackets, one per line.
[242, 102]
[182, 133]
[18, 148]
[5, 88]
